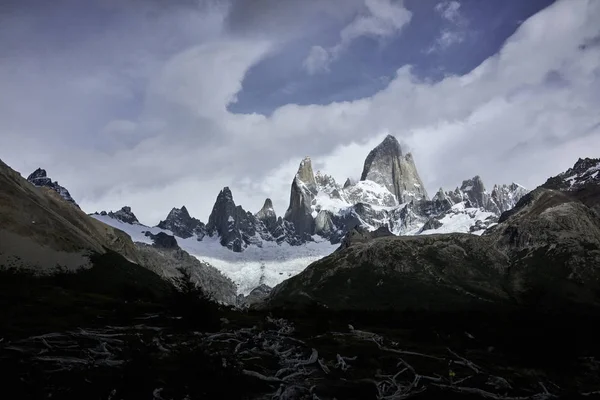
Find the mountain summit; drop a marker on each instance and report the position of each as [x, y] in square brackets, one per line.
[182, 224]
[39, 178]
[304, 189]
[387, 166]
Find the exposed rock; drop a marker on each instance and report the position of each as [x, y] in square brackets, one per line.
[326, 184]
[257, 295]
[162, 240]
[268, 217]
[441, 202]
[371, 193]
[506, 196]
[39, 178]
[349, 182]
[432, 223]
[360, 234]
[387, 166]
[303, 191]
[167, 262]
[182, 224]
[124, 215]
[585, 171]
[474, 192]
[236, 227]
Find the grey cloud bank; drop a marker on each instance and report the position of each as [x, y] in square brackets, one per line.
[146, 124]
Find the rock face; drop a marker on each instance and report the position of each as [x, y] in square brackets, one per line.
[585, 171]
[163, 241]
[267, 216]
[545, 252]
[258, 295]
[168, 262]
[39, 178]
[182, 224]
[304, 190]
[124, 215]
[506, 196]
[387, 166]
[236, 227]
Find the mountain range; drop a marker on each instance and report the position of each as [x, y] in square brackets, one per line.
[544, 252]
[390, 193]
[263, 248]
[103, 296]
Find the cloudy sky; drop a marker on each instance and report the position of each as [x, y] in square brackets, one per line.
[157, 104]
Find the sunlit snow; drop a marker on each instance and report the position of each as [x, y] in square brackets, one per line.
[269, 264]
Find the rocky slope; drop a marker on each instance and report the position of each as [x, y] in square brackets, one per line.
[168, 260]
[546, 251]
[41, 231]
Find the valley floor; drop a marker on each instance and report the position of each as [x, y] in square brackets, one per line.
[201, 351]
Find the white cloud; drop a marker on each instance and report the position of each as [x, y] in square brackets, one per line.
[450, 11]
[318, 60]
[524, 114]
[456, 30]
[382, 18]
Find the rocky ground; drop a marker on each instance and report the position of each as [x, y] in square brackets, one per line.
[311, 355]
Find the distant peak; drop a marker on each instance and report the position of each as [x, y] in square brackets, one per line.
[38, 173]
[305, 172]
[268, 203]
[469, 183]
[391, 143]
[125, 215]
[39, 178]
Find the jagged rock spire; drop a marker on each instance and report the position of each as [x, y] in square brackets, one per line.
[124, 215]
[387, 166]
[39, 178]
[303, 191]
[305, 172]
[182, 224]
[267, 216]
[236, 227]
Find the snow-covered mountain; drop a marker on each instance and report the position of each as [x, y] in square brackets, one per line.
[389, 194]
[265, 248]
[269, 264]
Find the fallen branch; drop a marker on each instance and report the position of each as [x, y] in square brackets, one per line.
[464, 361]
[490, 395]
[324, 367]
[260, 376]
[404, 352]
